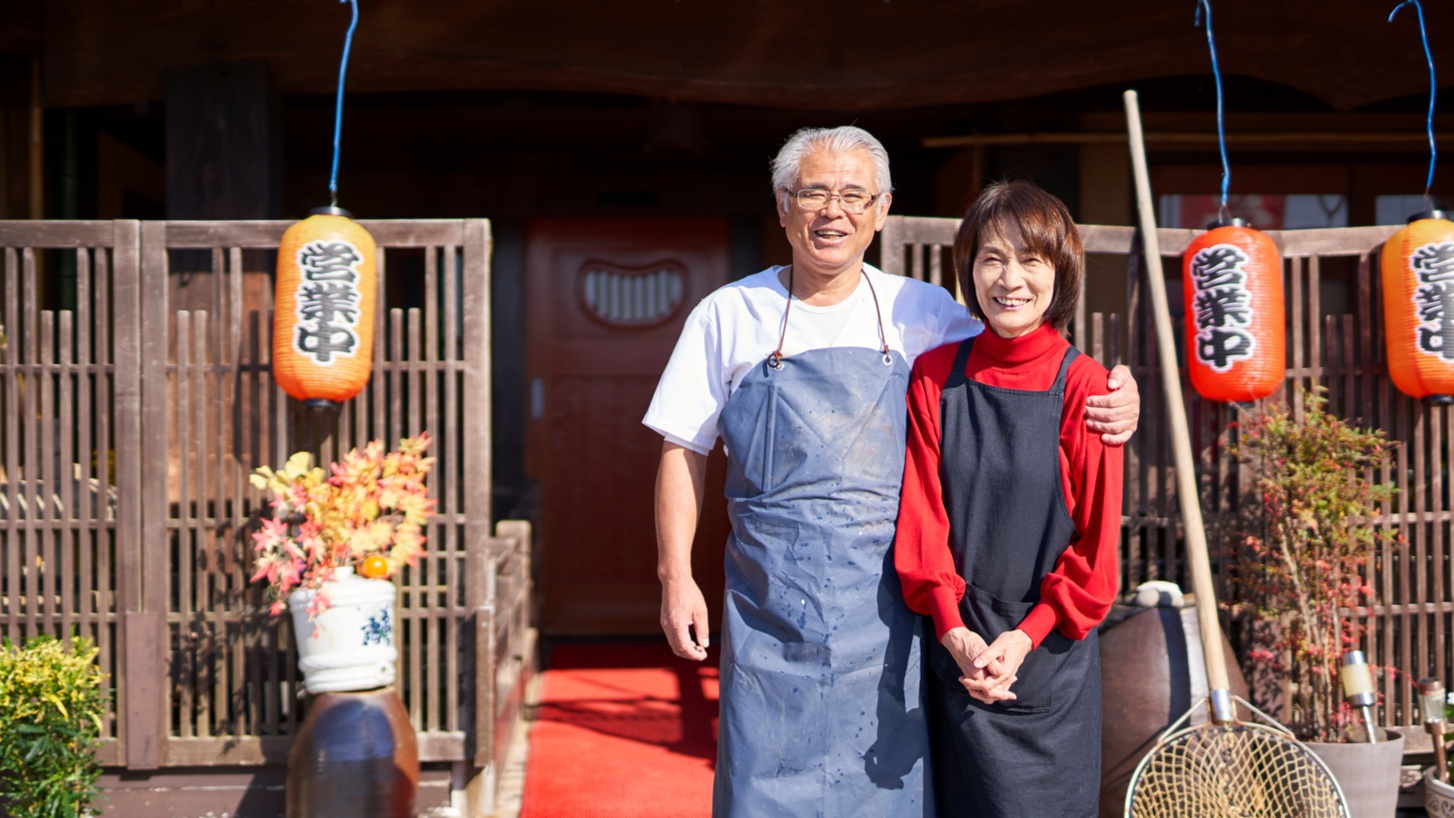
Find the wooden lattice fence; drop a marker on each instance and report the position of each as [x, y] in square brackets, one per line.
[137, 397]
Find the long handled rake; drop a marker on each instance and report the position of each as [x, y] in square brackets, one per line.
[1226, 767]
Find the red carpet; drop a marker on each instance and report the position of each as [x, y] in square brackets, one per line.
[623, 729]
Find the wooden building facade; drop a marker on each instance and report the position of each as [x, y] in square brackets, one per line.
[619, 152]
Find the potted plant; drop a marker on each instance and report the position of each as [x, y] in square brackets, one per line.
[52, 698]
[1438, 796]
[1304, 576]
[1437, 709]
[334, 539]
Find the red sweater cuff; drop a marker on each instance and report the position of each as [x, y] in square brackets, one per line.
[1038, 623]
[944, 607]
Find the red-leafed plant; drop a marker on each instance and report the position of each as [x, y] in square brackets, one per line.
[1306, 573]
[367, 511]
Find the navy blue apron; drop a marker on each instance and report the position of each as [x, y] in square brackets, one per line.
[820, 688]
[1000, 467]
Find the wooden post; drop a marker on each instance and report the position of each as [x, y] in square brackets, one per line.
[37, 145]
[223, 156]
[127, 343]
[224, 161]
[143, 565]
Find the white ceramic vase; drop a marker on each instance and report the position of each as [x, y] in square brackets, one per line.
[350, 646]
[1438, 796]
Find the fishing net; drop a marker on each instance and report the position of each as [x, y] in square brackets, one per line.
[1236, 769]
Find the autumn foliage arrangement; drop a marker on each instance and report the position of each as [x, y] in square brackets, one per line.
[365, 512]
[1306, 574]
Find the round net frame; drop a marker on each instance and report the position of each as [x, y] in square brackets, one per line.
[1234, 769]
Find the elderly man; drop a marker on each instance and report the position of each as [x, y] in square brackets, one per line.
[802, 371]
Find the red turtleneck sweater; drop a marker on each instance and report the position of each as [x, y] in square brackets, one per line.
[1078, 593]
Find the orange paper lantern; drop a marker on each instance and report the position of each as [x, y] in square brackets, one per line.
[1418, 307]
[1235, 349]
[323, 315]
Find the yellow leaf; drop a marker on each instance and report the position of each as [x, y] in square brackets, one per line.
[56, 700]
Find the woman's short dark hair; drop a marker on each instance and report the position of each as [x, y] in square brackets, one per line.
[1045, 227]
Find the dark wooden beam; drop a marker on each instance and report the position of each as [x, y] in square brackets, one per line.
[20, 28]
[224, 161]
[15, 136]
[865, 56]
[223, 156]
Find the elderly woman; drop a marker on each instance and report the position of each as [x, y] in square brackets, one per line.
[1009, 523]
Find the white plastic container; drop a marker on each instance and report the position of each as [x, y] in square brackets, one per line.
[350, 646]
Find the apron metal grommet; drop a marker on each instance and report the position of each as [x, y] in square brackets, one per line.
[888, 359]
[775, 361]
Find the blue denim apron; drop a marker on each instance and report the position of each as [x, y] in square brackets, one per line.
[820, 688]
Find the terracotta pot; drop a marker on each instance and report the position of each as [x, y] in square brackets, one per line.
[1368, 773]
[1438, 796]
[350, 646]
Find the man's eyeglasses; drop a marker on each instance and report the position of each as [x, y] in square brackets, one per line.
[813, 199]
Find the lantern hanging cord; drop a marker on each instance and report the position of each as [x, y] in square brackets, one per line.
[1433, 86]
[1221, 131]
[338, 109]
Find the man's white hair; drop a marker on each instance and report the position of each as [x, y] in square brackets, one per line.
[787, 166]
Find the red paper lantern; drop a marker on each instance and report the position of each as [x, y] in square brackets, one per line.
[1235, 349]
[323, 315]
[1418, 307]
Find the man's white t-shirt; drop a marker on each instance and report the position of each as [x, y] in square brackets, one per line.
[736, 327]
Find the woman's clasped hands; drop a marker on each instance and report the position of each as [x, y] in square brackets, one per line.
[987, 670]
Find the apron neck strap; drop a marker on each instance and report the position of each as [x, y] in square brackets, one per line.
[775, 360]
[961, 361]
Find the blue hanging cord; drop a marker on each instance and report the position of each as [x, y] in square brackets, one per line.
[1433, 85]
[1221, 132]
[338, 111]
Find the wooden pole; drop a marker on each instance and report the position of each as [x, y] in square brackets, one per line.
[1186, 486]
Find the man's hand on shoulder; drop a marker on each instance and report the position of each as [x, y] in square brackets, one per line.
[1114, 415]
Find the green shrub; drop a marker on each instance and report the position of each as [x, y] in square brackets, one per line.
[51, 703]
[1306, 565]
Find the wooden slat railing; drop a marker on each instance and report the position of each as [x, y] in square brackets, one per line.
[69, 393]
[130, 425]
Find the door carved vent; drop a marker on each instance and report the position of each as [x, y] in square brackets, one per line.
[631, 297]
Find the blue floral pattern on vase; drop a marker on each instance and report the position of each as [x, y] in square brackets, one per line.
[379, 629]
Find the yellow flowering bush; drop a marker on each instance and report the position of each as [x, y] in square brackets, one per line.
[51, 704]
[371, 504]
